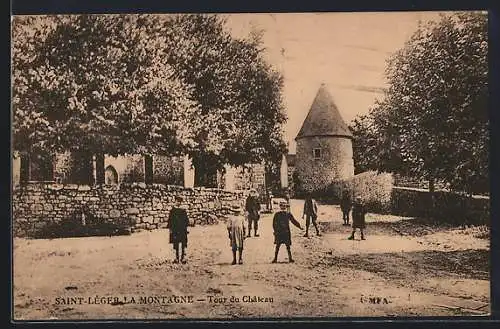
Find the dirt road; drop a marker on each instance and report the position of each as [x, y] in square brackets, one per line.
[402, 269]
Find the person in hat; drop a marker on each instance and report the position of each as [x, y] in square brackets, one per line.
[236, 233]
[177, 224]
[281, 226]
[358, 218]
[252, 206]
[311, 214]
[345, 206]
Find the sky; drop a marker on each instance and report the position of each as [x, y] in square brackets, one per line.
[346, 51]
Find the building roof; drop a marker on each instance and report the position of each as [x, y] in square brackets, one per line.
[324, 118]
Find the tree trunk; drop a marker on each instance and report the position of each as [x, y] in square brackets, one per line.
[148, 169]
[99, 169]
[204, 174]
[81, 172]
[24, 169]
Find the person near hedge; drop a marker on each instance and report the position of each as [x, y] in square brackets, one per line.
[177, 224]
[282, 235]
[311, 214]
[345, 206]
[252, 206]
[236, 233]
[358, 218]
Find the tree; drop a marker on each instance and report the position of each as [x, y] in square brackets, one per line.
[376, 141]
[433, 120]
[121, 84]
[238, 92]
[96, 84]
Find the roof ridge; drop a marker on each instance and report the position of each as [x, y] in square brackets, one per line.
[323, 118]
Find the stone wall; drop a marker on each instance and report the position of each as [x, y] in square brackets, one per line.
[139, 205]
[447, 207]
[336, 161]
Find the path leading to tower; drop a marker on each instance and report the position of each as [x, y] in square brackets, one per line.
[401, 269]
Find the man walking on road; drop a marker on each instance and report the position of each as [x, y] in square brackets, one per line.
[282, 235]
[252, 206]
[311, 213]
[177, 224]
[236, 233]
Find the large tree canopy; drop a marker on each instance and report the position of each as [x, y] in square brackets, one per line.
[433, 120]
[120, 84]
[99, 84]
[239, 93]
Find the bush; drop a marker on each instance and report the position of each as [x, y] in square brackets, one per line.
[373, 188]
[447, 208]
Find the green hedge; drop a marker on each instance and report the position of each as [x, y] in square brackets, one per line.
[373, 188]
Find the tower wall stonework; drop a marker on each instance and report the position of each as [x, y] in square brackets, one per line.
[336, 161]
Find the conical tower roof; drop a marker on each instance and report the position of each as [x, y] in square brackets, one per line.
[324, 118]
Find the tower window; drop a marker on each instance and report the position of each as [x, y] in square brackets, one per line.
[317, 153]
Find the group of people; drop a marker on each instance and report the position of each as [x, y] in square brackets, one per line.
[237, 230]
[281, 226]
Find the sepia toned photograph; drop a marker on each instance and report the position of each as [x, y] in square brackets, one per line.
[250, 166]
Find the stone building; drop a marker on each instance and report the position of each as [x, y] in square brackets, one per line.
[324, 146]
[69, 168]
[66, 168]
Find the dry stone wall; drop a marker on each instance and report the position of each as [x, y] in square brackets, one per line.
[138, 205]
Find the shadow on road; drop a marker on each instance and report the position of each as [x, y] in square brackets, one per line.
[415, 227]
[467, 264]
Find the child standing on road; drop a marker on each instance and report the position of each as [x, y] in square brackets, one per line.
[311, 213]
[252, 206]
[236, 233]
[282, 235]
[345, 206]
[358, 218]
[177, 224]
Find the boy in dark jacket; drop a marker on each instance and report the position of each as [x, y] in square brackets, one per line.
[311, 214]
[252, 206]
[282, 235]
[177, 224]
[358, 218]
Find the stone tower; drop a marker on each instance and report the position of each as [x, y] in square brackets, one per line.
[324, 145]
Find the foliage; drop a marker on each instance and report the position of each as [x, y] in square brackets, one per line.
[96, 83]
[433, 121]
[123, 84]
[374, 189]
[239, 93]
